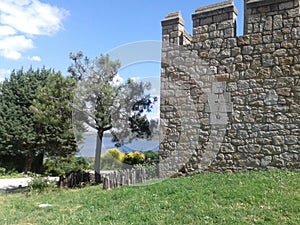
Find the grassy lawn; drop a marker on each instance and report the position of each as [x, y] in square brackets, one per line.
[15, 175]
[269, 197]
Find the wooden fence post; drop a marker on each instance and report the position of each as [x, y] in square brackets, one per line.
[124, 177]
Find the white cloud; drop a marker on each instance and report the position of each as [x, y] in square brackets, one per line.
[11, 47]
[35, 58]
[24, 19]
[4, 73]
[152, 90]
[136, 79]
[6, 31]
[32, 16]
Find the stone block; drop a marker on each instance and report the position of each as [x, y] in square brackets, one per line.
[278, 36]
[283, 61]
[286, 5]
[247, 50]
[295, 70]
[278, 140]
[277, 22]
[217, 43]
[271, 150]
[269, 23]
[268, 48]
[277, 72]
[256, 39]
[287, 44]
[254, 148]
[264, 73]
[291, 140]
[278, 162]
[243, 84]
[206, 21]
[224, 54]
[235, 51]
[243, 40]
[283, 91]
[293, 12]
[268, 60]
[267, 38]
[229, 32]
[252, 163]
[280, 52]
[266, 161]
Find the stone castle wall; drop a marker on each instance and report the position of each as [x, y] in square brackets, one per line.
[228, 102]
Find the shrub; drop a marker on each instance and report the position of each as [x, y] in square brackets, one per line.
[149, 163]
[114, 152]
[39, 184]
[60, 166]
[112, 159]
[2, 171]
[151, 156]
[134, 158]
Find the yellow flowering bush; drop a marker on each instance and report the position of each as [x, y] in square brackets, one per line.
[133, 158]
[112, 159]
[114, 152]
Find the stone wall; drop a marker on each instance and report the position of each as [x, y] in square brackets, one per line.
[228, 102]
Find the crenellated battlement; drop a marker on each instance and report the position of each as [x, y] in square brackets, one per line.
[264, 15]
[219, 20]
[214, 13]
[173, 29]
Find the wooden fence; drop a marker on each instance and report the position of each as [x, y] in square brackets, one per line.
[124, 178]
[74, 179]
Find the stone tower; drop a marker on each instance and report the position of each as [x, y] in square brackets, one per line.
[228, 102]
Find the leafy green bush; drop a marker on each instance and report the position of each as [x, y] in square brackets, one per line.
[114, 152]
[60, 166]
[149, 163]
[112, 159]
[5, 173]
[39, 184]
[2, 171]
[151, 156]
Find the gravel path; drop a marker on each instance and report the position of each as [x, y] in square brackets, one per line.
[14, 183]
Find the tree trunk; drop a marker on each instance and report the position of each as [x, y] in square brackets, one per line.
[98, 156]
[37, 164]
[29, 161]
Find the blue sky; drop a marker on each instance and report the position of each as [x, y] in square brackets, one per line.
[43, 32]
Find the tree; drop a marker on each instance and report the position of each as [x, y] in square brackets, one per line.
[17, 126]
[95, 96]
[52, 113]
[100, 102]
[131, 122]
[35, 115]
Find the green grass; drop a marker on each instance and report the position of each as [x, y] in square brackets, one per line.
[269, 197]
[14, 175]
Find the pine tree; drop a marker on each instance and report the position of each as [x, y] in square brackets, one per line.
[100, 103]
[32, 124]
